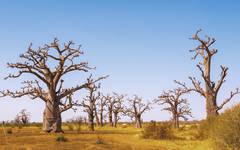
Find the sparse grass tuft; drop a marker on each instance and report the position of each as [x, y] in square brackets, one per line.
[61, 138]
[99, 140]
[70, 127]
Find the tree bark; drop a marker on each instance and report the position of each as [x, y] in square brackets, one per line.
[176, 121]
[91, 122]
[96, 116]
[211, 105]
[210, 94]
[138, 121]
[110, 117]
[115, 119]
[101, 119]
[52, 121]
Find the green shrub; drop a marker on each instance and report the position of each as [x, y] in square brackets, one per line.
[226, 132]
[61, 138]
[158, 131]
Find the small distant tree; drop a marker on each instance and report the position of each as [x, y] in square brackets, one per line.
[136, 108]
[89, 103]
[211, 88]
[101, 108]
[110, 104]
[117, 107]
[177, 106]
[22, 118]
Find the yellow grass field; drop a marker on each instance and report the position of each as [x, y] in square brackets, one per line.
[129, 138]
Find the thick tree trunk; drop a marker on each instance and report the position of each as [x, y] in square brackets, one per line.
[211, 106]
[110, 118]
[138, 122]
[91, 121]
[176, 122]
[211, 103]
[52, 121]
[101, 119]
[96, 116]
[176, 118]
[115, 119]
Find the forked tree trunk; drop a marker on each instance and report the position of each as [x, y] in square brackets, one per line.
[175, 118]
[96, 116]
[138, 122]
[52, 121]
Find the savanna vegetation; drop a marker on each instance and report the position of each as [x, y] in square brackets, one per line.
[103, 127]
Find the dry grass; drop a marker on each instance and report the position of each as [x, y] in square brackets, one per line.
[32, 138]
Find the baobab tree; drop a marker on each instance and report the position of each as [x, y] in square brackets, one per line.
[110, 103]
[117, 107]
[101, 104]
[96, 115]
[211, 88]
[89, 103]
[23, 117]
[177, 106]
[48, 82]
[136, 108]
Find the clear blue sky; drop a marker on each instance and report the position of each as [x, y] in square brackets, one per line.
[142, 45]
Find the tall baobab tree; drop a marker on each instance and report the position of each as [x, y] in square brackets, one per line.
[210, 90]
[89, 103]
[117, 107]
[48, 82]
[177, 106]
[136, 108]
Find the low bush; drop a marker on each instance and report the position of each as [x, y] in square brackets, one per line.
[205, 129]
[99, 140]
[226, 132]
[9, 131]
[158, 131]
[193, 126]
[182, 128]
[61, 138]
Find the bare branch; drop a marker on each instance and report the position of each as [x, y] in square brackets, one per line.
[232, 94]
